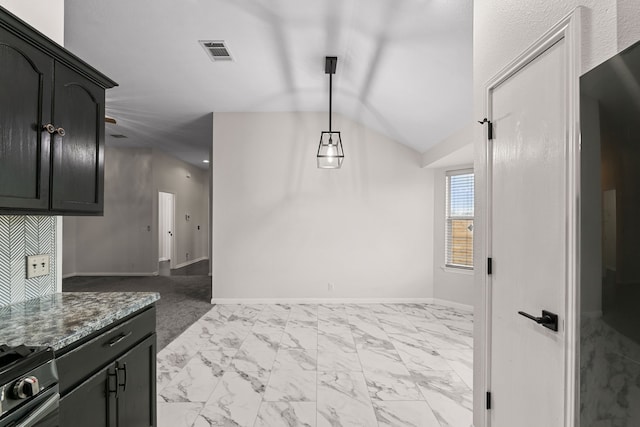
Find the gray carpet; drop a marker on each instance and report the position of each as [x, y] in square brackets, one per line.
[183, 299]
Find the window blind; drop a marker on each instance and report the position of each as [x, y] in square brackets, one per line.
[459, 219]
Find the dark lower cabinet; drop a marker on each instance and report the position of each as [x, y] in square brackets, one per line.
[91, 403]
[110, 379]
[136, 401]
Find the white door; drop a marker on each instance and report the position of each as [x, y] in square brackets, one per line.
[528, 238]
[165, 226]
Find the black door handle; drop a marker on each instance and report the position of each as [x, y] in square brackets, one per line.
[549, 320]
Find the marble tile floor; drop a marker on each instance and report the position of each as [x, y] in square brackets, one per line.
[320, 365]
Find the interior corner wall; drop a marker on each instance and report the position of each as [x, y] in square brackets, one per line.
[448, 284]
[69, 240]
[190, 185]
[211, 228]
[286, 229]
[22, 235]
[501, 31]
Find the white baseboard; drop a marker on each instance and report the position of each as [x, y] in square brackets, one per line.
[193, 261]
[118, 274]
[452, 304]
[222, 301]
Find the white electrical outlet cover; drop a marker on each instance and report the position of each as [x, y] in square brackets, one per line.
[37, 265]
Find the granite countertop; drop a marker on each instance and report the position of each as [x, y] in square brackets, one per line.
[60, 319]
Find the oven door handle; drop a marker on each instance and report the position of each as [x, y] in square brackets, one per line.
[40, 412]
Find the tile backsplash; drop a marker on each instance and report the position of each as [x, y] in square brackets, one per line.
[21, 236]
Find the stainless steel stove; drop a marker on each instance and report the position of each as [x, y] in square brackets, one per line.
[28, 387]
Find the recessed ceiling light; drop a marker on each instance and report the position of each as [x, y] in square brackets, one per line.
[205, 161]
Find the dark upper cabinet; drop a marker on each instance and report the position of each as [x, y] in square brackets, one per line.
[78, 155]
[25, 93]
[52, 108]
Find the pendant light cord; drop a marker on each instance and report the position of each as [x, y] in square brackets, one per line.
[330, 93]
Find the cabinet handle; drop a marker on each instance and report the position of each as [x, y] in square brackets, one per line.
[117, 390]
[61, 131]
[119, 338]
[49, 128]
[123, 369]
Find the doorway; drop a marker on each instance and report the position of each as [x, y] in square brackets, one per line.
[166, 227]
[531, 164]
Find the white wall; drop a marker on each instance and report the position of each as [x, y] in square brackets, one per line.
[449, 284]
[502, 30]
[124, 241]
[453, 150]
[285, 229]
[46, 16]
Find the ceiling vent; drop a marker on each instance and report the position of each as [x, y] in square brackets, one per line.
[216, 49]
[118, 135]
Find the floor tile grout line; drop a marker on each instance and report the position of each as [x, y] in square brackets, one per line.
[420, 390]
[203, 405]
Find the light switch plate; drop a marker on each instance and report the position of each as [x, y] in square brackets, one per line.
[37, 265]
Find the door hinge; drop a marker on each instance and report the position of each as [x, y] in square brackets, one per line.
[488, 400]
[489, 127]
[489, 265]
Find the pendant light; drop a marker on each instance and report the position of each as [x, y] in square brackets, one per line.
[330, 152]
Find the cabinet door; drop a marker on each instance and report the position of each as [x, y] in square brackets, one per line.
[78, 155]
[137, 398]
[25, 91]
[92, 403]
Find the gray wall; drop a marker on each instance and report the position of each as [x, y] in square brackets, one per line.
[448, 284]
[190, 185]
[591, 271]
[119, 241]
[124, 240]
[285, 229]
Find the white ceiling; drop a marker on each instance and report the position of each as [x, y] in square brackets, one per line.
[404, 66]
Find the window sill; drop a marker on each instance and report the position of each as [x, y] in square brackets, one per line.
[466, 271]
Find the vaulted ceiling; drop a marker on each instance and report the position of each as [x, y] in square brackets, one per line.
[404, 66]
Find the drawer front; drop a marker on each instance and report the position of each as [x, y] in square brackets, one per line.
[89, 357]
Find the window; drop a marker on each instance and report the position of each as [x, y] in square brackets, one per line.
[459, 219]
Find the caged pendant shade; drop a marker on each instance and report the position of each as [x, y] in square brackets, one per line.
[330, 153]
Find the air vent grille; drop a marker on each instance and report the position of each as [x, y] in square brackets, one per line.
[118, 135]
[217, 50]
